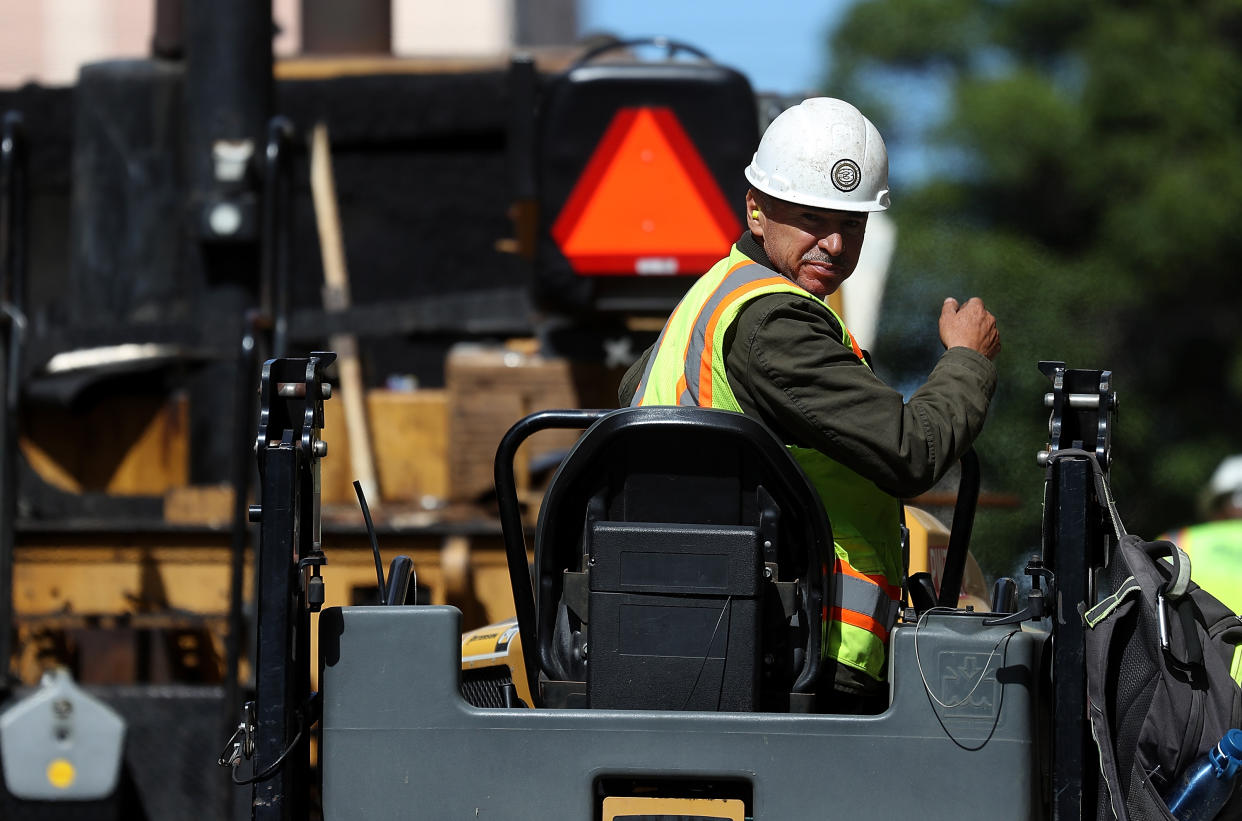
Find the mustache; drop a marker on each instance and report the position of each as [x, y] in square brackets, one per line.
[816, 255]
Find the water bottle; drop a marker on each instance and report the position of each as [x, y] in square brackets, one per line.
[1207, 783]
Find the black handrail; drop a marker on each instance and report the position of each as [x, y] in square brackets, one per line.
[269, 324]
[671, 47]
[959, 536]
[239, 533]
[512, 529]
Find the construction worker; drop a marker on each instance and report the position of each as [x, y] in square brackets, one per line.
[755, 335]
[1215, 547]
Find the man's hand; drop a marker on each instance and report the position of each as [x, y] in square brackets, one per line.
[969, 326]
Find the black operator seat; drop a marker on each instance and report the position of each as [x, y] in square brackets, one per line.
[682, 562]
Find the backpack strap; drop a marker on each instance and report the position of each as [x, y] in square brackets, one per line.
[1104, 609]
[1101, 484]
[1172, 590]
[1178, 584]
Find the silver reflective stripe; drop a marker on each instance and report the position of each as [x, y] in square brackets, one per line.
[1182, 583]
[867, 598]
[698, 334]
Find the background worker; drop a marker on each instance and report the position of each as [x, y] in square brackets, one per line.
[756, 335]
[1215, 547]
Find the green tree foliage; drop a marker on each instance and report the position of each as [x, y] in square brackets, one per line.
[1089, 188]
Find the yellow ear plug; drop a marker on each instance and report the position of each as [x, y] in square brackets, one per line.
[755, 213]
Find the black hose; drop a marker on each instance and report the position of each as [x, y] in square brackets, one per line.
[375, 551]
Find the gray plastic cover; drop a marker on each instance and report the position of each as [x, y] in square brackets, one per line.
[400, 742]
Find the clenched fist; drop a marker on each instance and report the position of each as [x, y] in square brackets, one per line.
[969, 326]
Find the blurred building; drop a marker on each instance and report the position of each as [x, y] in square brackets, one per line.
[47, 40]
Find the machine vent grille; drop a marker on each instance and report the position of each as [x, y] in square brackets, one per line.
[483, 686]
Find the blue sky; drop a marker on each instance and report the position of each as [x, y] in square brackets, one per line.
[778, 44]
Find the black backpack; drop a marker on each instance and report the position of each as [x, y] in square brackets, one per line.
[1159, 690]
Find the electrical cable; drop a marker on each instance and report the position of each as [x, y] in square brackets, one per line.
[918, 662]
[271, 769]
[707, 654]
[982, 675]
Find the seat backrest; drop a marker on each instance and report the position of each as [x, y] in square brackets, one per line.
[682, 561]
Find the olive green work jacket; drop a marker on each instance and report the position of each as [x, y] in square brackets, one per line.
[787, 366]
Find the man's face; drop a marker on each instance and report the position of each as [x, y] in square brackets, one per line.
[815, 247]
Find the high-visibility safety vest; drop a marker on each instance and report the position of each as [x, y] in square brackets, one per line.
[1215, 551]
[688, 368]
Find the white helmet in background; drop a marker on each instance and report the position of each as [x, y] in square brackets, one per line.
[823, 153]
[1225, 487]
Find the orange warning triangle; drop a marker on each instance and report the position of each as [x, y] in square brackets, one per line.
[645, 203]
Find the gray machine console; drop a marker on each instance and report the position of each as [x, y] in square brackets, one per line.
[959, 738]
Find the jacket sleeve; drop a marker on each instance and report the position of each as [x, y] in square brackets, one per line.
[787, 362]
[629, 382]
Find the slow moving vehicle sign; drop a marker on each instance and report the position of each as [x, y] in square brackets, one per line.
[645, 203]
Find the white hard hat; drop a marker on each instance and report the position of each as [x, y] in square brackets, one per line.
[1226, 480]
[823, 153]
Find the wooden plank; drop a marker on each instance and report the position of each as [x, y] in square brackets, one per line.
[409, 436]
[409, 441]
[210, 505]
[335, 298]
[104, 579]
[108, 585]
[322, 68]
[304, 67]
[491, 387]
[121, 580]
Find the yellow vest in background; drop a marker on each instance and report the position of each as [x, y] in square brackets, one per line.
[1215, 550]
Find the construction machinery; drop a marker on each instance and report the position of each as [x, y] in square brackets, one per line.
[670, 644]
[126, 558]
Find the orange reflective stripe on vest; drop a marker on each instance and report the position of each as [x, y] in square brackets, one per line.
[856, 348]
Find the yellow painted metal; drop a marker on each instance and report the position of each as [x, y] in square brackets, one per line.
[494, 646]
[929, 544]
[620, 808]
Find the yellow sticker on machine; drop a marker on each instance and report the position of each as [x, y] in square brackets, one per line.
[621, 808]
[488, 643]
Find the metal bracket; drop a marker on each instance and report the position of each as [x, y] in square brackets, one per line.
[241, 745]
[1083, 406]
[1036, 599]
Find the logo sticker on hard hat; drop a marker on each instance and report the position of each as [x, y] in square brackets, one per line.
[846, 175]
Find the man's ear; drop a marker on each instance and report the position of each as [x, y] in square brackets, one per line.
[754, 214]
